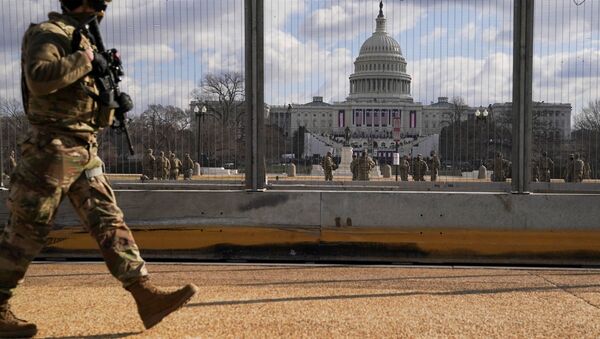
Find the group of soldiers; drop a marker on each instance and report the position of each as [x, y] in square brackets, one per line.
[361, 167]
[162, 167]
[576, 169]
[418, 167]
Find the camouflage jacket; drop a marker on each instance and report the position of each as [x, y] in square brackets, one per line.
[55, 78]
[175, 163]
[328, 164]
[188, 164]
[546, 163]
[435, 163]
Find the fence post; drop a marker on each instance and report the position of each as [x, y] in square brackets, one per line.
[255, 107]
[522, 96]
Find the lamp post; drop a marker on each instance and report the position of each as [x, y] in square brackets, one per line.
[481, 116]
[199, 112]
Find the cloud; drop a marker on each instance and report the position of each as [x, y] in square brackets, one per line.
[351, 19]
[436, 34]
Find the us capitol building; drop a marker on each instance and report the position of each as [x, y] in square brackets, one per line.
[380, 90]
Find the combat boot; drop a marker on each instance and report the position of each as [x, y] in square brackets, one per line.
[154, 304]
[13, 327]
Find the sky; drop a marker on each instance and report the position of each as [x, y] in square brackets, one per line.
[452, 47]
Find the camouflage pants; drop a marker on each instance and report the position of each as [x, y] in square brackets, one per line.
[148, 171]
[174, 174]
[51, 169]
[434, 174]
[403, 174]
[328, 175]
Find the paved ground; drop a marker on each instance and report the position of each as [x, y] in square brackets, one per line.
[260, 301]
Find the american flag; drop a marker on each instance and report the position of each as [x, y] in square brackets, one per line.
[358, 119]
[342, 118]
[413, 119]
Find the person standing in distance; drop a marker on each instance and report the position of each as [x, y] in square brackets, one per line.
[59, 159]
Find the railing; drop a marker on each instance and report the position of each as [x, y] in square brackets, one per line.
[436, 76]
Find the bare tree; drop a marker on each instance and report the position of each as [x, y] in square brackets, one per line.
[164, 126]
[223, 95]
[459, 107]
[12, 109]
[589, 118]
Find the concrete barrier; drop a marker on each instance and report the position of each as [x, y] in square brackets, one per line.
[420, 227]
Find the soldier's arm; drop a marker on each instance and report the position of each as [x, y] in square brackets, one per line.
[49, 66]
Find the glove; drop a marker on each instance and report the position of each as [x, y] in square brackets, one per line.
[125, 105]
[99, 64]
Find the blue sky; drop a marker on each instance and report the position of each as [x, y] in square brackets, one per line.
[453, 47]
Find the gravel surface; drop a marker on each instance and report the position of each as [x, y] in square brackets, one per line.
[71, 300]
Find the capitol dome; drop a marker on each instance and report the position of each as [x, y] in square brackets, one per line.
[380, 42]
[380, 69]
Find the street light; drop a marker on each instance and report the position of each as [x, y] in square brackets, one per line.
[481, 115]
[199, 112]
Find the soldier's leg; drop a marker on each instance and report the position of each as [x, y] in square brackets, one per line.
[95, 203]
[32, 210]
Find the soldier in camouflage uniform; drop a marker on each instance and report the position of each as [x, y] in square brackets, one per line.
[578, 168]
[158, 166]
[569, 169]
[419, 169]
[166, 169]
[545, 165]
[364, 166]
[162, 167]
[435, 166]
[353, 167]
[328, 166]
[149, 163]
[59, 159]
[404, 168]
[188, 167]
[500, 168]
[175, 167]
[587, 170]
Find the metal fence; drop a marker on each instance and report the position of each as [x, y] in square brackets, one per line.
[412, 77]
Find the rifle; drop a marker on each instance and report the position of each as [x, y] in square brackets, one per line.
[110, 95]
